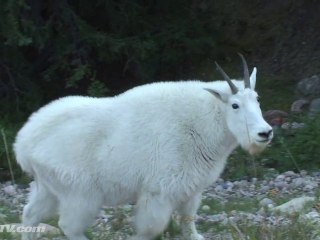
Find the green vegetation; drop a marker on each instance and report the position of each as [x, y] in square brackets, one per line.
[244, 229]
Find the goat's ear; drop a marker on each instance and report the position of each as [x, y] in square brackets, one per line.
[253, 78]
[218, 94]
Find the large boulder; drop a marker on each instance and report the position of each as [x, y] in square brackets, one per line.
[275, 117]
[309, 87]
[314, 108]
[295, 205]
[299, 106]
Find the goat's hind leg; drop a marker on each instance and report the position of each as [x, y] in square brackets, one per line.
[77, 212]
[42, 205]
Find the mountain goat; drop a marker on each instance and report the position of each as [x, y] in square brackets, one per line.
[158, 145]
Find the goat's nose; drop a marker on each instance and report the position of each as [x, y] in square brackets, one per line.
[265, 134]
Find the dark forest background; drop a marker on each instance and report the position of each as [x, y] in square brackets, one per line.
[53, 48]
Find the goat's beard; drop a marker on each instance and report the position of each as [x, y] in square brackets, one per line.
[255, 149]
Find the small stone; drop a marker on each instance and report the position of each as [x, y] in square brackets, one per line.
[313, 217]
[309, 88]
[308, 188]
[243, 183]
[265, 202]
[288, 179]
[280, 185]
[289, 174]
[271, 183]
[296, 125]
[206, 208]
[224, 185]
[280, 178]
[10, 190]
[264, 189]
[127, 207]
[286, 125]
[303, 173]
[219, 180]
[218, 188]
[254, 180]
[270, 206]
[299, 106]
[314, 107]
[298, 182]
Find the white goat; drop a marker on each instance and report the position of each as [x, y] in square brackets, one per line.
[158, 145]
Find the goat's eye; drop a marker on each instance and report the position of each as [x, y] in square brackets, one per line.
[235, 106]
[258, 99]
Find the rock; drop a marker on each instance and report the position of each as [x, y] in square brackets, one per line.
[298, 182]
[10, 190]
[296, 125]
[228, 186]
[299, 106]
[264, 189]
[293, 125]
[288, 179]
[303, 173]
[261, 191]
[254, 180]
[265, 202]
[206, 208]
[275, 117]
[127, 207]
[313, 217]
[286, 125]
[309, 87]
[308, 188]
[280, 177]
[289, 174]
[314, 108]
[219, 188]
[280, 184]
[218, 217]
[294, 205]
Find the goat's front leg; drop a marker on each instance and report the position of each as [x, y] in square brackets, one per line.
[187, 212]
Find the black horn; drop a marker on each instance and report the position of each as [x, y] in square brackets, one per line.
[246, 77]
[233, 87]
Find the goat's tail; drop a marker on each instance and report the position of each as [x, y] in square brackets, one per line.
[23, 160]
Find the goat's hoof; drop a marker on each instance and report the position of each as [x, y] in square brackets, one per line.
[196, 236]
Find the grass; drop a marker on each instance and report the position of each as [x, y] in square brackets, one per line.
[9, 218]
[9, 169]
[244, 229]
[118, 226]
[6, 149]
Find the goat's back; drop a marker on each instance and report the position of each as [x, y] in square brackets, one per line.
[138, 136]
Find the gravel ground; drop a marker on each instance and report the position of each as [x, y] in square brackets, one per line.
[226, 207]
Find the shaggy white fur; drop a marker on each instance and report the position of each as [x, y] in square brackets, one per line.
[157, 145]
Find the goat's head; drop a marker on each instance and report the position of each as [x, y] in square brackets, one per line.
[243, 114]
